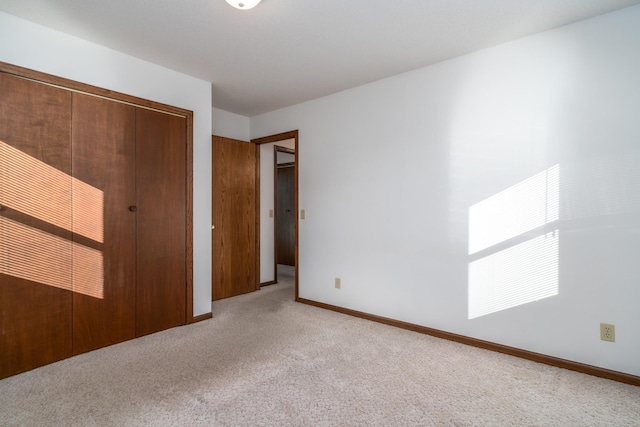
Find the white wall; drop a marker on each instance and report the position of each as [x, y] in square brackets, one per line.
[229, 125]
[389, 170]
[267, 230]
[33, 46]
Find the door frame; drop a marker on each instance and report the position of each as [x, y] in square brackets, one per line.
[277, 138]
[276, 149]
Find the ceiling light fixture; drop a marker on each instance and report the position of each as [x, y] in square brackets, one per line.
[243, 4]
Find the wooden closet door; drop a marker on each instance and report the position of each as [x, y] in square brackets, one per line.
[104, 254]
[35, 225]
[161, 226]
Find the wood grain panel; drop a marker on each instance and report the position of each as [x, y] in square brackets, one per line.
[35, 318]
[34, 333]
[189, 219]
[285, 215]
[36, 119]
[90, 89]
[104, 159]
[234, 247]
[161, 221]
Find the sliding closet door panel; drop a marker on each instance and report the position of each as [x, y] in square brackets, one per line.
[35, 225]
[161, 227]
[103, 225]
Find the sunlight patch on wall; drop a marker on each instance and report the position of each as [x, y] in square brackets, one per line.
[521, 274]
[88, 271]
[515, 272]
[87, 211]
[36, 190]
[41, 191]
[34, 255]
[523, 207]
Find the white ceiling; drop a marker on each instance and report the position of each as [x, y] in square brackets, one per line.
[288, 51]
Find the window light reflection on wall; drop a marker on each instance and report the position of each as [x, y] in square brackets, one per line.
[517, 268]
[523, 207]
[36, 190]
[518, 275]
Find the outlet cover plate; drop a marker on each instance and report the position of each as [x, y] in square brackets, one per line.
[607, 332]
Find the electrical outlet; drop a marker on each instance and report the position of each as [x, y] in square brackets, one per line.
[338, 283]
[607, 332]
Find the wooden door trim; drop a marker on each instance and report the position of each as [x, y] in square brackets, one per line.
[74, 86]
[257, 206]
[189, 223]
[277, 138]
[276, 149]
[285, 149]
[275, 214]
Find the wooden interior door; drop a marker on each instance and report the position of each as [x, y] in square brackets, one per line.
[161, 221]
[104, 253]
[234, 236]
[285, 215]
[35, 225]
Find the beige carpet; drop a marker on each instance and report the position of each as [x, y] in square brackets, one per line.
[265, 360]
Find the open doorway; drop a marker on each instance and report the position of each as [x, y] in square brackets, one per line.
[285, 211]
[278, 211]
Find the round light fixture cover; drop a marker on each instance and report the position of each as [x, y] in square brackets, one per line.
[243, 4]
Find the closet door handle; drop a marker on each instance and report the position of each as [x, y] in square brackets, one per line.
[133, 208]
